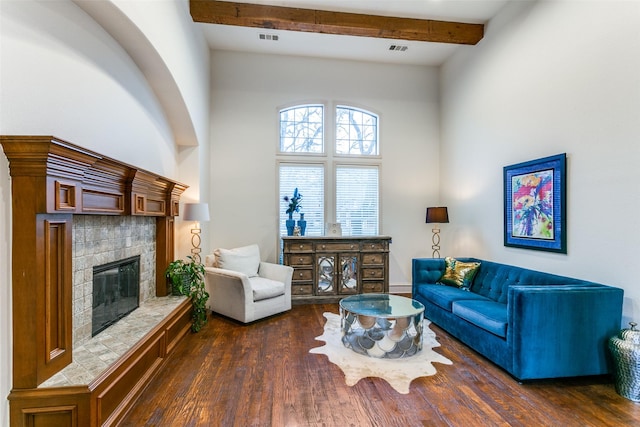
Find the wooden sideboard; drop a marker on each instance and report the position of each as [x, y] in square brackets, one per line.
[328, 268]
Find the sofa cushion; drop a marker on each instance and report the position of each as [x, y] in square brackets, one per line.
[458, 273]
[265, 288]
[245, 259]
[488, 315]
[444, 296]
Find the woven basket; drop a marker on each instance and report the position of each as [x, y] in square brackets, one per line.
[625, 349]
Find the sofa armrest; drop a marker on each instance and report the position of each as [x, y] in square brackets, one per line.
[561, 328]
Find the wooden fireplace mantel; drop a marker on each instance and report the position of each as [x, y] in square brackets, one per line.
[52, 180]
[71, 179]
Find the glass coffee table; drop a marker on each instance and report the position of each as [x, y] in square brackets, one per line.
[382, 325]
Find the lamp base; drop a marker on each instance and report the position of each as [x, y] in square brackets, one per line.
[435, 239]
[195, 243]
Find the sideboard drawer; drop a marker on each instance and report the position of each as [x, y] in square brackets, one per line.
[302, 290]
[372, 273]
[302, 274]
[299, 259]
[295, 246]
[338, 246]
[372, 259]
[372, 287]
[374, 246]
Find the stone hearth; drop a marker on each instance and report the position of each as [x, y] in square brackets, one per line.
[98, 353]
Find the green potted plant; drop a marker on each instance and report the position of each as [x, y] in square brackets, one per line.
[187, 278]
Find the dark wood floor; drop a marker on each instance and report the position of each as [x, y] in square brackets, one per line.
[262, 374]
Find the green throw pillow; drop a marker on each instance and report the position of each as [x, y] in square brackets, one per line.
[458, 273]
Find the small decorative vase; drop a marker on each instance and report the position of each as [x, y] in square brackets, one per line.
[302, 223]
[290, 223]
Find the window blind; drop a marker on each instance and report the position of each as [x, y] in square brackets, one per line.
[309, 180]
[357, 200]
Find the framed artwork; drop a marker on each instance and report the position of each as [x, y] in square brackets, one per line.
[535, 204]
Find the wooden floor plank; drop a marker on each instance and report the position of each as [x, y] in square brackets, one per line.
[262, 374]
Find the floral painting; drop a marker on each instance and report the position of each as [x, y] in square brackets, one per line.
[535, 204]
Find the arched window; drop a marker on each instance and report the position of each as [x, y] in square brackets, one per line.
[336, 168]
[301, 129]
[356, 132]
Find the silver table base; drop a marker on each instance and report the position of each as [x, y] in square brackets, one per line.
[390, 338]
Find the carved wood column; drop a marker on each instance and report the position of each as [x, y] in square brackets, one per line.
[165, 244]
[54, 306]
[41, 268]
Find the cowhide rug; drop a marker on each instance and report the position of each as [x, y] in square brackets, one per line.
[397, 372]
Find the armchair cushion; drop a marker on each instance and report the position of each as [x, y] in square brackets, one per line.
[265, 288]
[245, 259]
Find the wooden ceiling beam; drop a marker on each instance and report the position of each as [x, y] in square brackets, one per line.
[338, 23]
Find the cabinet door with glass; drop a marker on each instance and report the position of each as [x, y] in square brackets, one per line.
[348, 276]
[337, 274]
[326, 274]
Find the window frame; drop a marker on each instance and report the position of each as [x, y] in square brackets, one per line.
[324, 130]
[329, 159]
[360, 108]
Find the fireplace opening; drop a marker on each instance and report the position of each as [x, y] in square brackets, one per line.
[116, 292]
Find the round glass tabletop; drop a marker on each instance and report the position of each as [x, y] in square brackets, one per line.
[381, 305]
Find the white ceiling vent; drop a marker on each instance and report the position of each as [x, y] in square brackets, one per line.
[399, 48]
[273, 37]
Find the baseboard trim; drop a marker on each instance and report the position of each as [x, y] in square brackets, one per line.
[400, 288]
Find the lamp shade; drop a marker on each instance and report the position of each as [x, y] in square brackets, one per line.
[196, 212]
[437, 214]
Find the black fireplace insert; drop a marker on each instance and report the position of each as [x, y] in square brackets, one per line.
[116, 292]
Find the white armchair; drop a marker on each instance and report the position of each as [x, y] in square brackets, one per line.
[242, 287]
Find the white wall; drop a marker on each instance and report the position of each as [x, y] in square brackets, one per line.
[247, 91]
[168, 26]
[550, 77]
[62, 74]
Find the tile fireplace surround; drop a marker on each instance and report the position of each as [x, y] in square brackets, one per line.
[98, 240]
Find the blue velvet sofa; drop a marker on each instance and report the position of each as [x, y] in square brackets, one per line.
[534, 325]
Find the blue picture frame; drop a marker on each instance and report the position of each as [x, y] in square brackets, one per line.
[535, 204]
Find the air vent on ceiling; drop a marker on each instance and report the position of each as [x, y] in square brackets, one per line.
[399, 48]
[273, 37]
